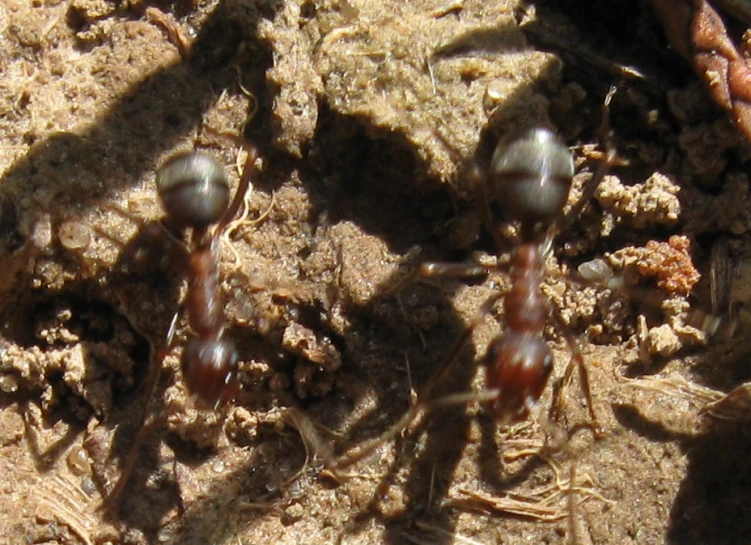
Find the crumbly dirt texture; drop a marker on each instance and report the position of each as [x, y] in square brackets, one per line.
[368, 116]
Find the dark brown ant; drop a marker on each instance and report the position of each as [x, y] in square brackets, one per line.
[194, 191]
[530, 178]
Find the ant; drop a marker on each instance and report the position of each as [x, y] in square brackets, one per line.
[194, 192]
[530, 178]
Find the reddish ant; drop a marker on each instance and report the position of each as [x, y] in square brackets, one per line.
[194, 192]
[530, 178]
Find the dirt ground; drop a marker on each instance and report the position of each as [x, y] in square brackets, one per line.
[368, 116]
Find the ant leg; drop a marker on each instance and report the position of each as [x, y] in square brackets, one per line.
[309, 433]
[452, 270]
[144, 428]
[453, 400]
[156, 363]
[576, 360]
[453, 355]
[482, 201]
[422, 405]
[438, 270]
[605, 165]
[111, 500]
[242, 187]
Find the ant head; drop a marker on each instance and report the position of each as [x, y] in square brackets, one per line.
[210, 369]
[531, 176]
[193, 189]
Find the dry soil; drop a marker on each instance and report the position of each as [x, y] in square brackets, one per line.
[368, 115]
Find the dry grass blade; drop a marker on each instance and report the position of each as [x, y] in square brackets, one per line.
[676, 386]
[734, 406]
[62, 502]
[548, 504]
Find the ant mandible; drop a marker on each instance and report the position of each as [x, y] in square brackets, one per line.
[530, 178]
